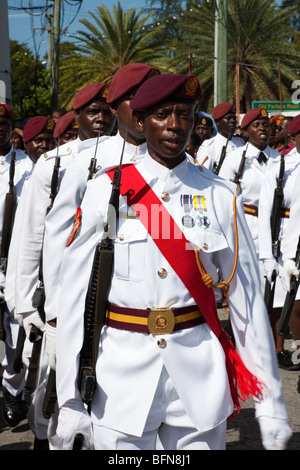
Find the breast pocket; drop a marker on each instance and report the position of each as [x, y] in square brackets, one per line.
[130, 246]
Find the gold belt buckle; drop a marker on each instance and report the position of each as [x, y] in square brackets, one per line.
[161, 321]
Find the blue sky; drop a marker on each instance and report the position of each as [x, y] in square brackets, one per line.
[24, 27]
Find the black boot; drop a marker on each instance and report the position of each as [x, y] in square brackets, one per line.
[40, 444]
[13, 410]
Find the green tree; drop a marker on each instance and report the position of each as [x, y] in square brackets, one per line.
[108, 43]
[30, 83]
[259, 35]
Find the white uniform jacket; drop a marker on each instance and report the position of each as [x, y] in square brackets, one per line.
[290, 182]
[212, 149]
[37, 202]
[291, 234]
[23, 168]
[129, 364]
[251, 181]
[60, 220]
[10, 291]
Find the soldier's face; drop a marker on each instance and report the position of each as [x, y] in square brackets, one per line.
[94, 119]
[227, 125]
[259, 132]
[5, 130]
[40, 144]
[168, 128]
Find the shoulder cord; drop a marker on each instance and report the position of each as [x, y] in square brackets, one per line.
[207, 279]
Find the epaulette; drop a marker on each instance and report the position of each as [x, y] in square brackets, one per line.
[62, 152]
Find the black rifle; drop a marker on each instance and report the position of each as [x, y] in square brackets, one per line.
[50, 397]
[290, 297]
[239, 173]
[97, 294]
[222, 158]
[92, 167]
[275, 229]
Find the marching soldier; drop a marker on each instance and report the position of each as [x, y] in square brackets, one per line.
[94, 117]
[159, 315]
[212, 152]
[248, 164]
[61, 219]
[272, 260]
[15, 167]
[38, 138]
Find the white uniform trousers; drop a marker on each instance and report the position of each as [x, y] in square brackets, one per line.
[168, 427]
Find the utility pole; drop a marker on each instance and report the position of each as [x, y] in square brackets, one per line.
[55, 56]
[49, 17]
[221, 52]
[5, 66]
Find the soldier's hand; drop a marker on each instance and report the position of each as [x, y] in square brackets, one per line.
[51, 345]
[32, 318]
[275, 432]
[289, 270]
[270, 266]
[73, 419]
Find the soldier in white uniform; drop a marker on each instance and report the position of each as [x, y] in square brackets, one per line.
[159, 373]
[272, 260]
[12, 383]
[211, 149]
[92, 114]
[106, 153]
[38, 138]
[251, 170]
[94, 117]
[290, 236]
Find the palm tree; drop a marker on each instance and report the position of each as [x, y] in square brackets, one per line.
[112, 41]
[258, 37]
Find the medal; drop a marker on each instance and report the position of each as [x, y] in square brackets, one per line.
[188, 221]
[187, 203]
[202, 221]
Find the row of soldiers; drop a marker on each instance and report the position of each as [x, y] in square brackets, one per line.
[62, 194]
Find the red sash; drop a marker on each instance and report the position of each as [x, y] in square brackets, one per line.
[181, 256]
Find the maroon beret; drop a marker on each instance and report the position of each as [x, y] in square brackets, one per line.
[294, 125]
[36, 125]
[166, 87]
[129, 77]
[252, 115]
[88, 93]
[66, 122]
[6, 111]
[222, 109]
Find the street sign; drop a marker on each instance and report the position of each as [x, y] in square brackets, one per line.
[274, 106]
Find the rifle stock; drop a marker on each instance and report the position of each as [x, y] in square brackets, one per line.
[275, 229]
[97, 294]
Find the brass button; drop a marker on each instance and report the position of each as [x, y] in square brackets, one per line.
[162, 272]
[165, 196]
[205, 246]
[121, 237]
[162, 343]
[2, 162]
